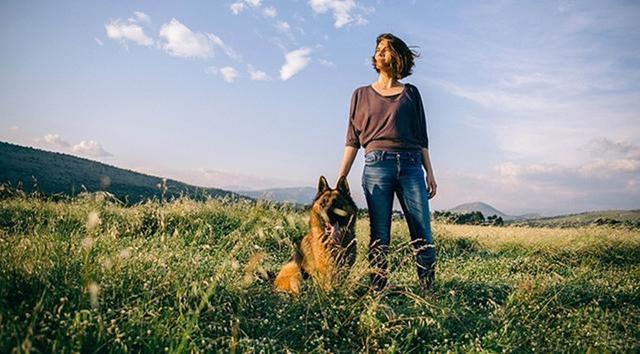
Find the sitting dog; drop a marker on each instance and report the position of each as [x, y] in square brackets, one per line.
[329, 249]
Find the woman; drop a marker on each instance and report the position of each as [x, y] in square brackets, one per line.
[387, 119]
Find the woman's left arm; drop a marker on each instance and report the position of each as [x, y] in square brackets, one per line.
[422, 133]
[431, 180]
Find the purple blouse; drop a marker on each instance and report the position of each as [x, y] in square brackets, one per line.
[392, 123]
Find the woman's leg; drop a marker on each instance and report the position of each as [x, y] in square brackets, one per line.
[378, 183]
[413, 196]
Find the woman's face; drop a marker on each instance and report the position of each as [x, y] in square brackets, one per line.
[383, 54]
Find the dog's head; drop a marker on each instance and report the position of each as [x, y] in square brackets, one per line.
[335, 206]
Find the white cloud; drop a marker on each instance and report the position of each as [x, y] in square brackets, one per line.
[341, 10]
[270, 11]
[605, 147]
[237, 7]
[54, 140]
[565, 82]
[282, 26]
[607, 179]
[295, 61]
[127, 31]
[98, 41]
[253, 3]
[520, 111]
[229, 73]
[85, 147]
[142, 17]
[361, 21]
[227, 50]
[181, 42]
[256, 75]
[610, 158]
[598, 183]
[90, 148]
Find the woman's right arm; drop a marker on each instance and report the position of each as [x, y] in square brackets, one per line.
[353, 139]
[347, 160]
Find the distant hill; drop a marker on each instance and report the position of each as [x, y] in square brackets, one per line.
[602, 217]
[298, 195]
[487, 210]
[58, 173]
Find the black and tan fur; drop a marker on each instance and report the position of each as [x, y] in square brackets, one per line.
[328, 250]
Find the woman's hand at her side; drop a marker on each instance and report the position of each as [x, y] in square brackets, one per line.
[431, 183]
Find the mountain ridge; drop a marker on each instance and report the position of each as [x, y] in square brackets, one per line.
[59, 173]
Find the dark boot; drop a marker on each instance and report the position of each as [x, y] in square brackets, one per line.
[428, 279]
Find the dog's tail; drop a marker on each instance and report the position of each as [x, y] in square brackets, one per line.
[289, 279]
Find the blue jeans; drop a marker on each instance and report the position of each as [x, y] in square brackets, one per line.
[387, 173]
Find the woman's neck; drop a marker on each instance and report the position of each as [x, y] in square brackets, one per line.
[386, 81]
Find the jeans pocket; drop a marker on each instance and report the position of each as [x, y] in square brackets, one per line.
[371, 157]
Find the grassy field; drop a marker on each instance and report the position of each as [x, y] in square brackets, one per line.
[184, 276]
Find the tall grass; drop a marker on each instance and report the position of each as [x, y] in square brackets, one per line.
[88, 275]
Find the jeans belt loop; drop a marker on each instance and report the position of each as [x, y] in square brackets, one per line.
[382, 155]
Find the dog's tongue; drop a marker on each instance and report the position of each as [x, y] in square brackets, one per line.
[333, 231]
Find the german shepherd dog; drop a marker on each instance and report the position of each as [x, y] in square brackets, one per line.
[328, 250]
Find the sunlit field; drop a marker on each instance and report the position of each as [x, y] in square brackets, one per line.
[90, 275]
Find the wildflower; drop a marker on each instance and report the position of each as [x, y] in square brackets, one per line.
[93, 290]
[235, 265]
[125, 253]
[107, 263]
[87, 243]
[93, 220]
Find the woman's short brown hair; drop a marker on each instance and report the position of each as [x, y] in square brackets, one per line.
[401, 56]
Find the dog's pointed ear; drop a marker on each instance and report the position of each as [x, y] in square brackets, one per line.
[343, 185]
[323, 186]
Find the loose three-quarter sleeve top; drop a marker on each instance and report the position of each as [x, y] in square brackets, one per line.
[392, 123]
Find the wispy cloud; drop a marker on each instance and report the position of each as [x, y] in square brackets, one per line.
[90, 148]
[282, 26]
[229, 73]
[98, 41]
[342, 11]
[227, 50]
[54, 140]
[85, 147]
[142, 17]
[239, 6]
[256, 75]
[539, 102]
[180, 41]
[609, 180]
[270, 11]
[119, 30]
[295, 61]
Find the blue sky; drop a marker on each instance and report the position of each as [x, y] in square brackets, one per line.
[532, 106]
